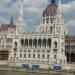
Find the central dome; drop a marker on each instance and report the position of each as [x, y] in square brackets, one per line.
[51, 9]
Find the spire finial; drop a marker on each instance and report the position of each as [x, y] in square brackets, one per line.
[21, 9]
[11, 22]
[59, 8]
[52, 1]
[59, 3]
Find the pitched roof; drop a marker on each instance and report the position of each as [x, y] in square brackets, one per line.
[5, 27]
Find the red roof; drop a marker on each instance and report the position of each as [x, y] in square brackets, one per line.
[6, 27]
[51, 10]
[70, 37]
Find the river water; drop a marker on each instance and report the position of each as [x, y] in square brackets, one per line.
[24, 73]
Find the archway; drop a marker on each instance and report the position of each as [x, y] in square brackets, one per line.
[26, 42]
[49, 42]
[22, 42]
[55, 44]
[39, 42]
[30, 42]
[44, 42]
[35, 42]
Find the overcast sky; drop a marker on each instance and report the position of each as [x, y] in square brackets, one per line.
[33, 10]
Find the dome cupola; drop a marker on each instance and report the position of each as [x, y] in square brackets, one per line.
[51, 9]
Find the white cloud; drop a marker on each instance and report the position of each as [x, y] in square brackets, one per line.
[67, 7]
[71, 23]
[33, 10]
[32, 7]
[69, 16]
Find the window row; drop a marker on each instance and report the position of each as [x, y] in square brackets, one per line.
[6, 46]
[34, 55]
[6, 40]
[48, 51]
[36, 42]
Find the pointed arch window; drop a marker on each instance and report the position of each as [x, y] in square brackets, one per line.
[30, 42]
[51, 29]
[22, 42]
[49, 42]
[15, 44]
[26, 42]
[44, 42]
[39, 42]
[47, 20]
[55, 44]
[52, 19]
[35, 42]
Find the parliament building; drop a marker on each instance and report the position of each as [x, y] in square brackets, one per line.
[43, 47]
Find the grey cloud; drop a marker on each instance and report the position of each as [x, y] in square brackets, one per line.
[33, 10]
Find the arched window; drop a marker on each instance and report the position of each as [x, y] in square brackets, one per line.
[30, 42]
[55, 56]
[49, 42]
[46, 28]
[15, 44]
[51, 29]
[38, 55]
[33, 55]
[24, 55]
[39, 42]
[52, 19]
[26, 42]
[22, 42]
[47, 20]
[48, 55]
[44, 42]
[29, 55]
[43, 20]
[43, 55]
[55, 44]
[35, 42]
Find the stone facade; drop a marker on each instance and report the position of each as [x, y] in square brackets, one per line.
[43, 47]
[70, 48]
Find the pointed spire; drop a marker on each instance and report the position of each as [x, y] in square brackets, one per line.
[59, 8]
[21, 8]
[11, 22]
[20, 22]
[60, 4]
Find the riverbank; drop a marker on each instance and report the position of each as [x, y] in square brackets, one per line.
[2, 72]
[35, 71]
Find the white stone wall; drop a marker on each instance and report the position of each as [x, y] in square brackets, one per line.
[53, 34]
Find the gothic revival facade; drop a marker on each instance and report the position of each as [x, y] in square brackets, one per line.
[43, 47]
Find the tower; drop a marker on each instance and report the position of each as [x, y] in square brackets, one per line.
[20, 22]
[52, 23]
[48, 18]
[11, 21]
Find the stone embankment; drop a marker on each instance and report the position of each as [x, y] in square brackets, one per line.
[39, 71]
